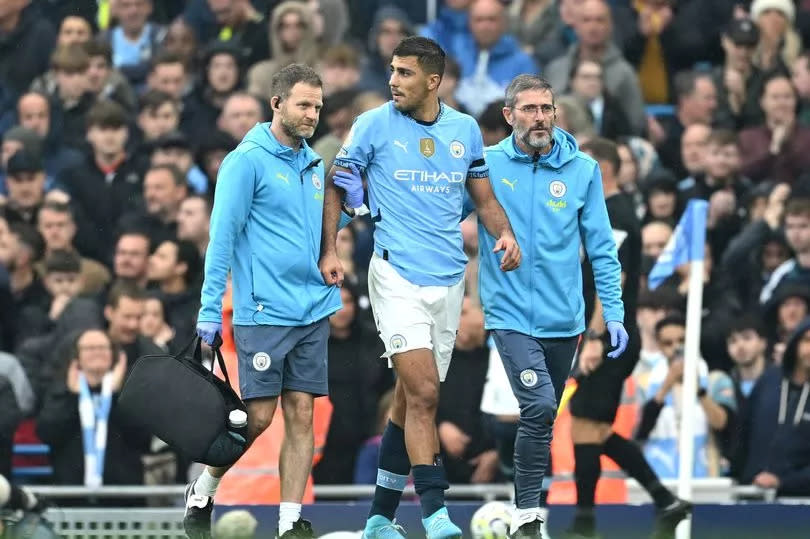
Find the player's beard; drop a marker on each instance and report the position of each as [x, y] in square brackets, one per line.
[535, 141]
[295, 129]
[413, 101]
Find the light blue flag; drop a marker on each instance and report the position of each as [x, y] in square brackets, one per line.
[686, 244]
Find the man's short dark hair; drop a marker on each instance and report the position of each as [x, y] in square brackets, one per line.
[776, 75]
[289, 76]
[154, 99]
[124, 289]
[798, 206]
[95, 48]
[686, 82]
[107, 114]
[208, 204]
[492, 117]
[70, 59]
[524, 82]
[28, 236]
[723, 137]
[58, 207]
[429, 55]
[188, 254]
[166, 58]
[177, 176]
[745, 323]
[603, 149]
[451, 68]
[662, 298]
[63, 261]
[675, 319]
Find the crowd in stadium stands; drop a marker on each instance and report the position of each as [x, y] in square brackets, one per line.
[116, 114]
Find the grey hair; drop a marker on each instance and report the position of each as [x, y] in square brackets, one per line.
[289, 76]
[524, 82]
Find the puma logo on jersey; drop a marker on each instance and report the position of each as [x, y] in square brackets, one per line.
[510, 184]
[283, 177]
[403, 145]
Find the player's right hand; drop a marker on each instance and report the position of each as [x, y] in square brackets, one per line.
[331, 269]
[351, 182]
[209, 331]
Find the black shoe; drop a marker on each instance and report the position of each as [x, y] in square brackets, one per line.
[530, 530]
[674, 512]
[197, 520]
[302, 529]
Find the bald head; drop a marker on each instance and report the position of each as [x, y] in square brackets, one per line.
[654, 237]
[487, 22]
[34, 113]
[594, 24]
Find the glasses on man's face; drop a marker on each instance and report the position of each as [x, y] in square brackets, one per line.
[532, 110]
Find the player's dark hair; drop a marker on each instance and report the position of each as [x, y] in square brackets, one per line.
[603, 149]
[676, 319]
[524, 82]
[289, 76]
[63, 261]
[429, 55]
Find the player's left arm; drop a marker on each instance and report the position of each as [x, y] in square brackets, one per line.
[597, 234]
[490, 211]
[494, 219]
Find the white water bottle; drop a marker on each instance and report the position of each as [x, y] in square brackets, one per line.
[237, 419]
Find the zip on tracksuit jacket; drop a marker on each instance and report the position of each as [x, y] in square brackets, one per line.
[266, 227]
[555, 203]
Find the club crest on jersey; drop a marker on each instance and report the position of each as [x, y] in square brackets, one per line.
[427, 146]
[557, 189]
[457, 149]
[528, 378]
[316, 181]
[397, 342]
[261, 361]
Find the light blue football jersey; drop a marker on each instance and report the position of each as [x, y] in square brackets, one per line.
[416, 174]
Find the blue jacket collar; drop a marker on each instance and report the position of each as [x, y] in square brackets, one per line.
[261, 135]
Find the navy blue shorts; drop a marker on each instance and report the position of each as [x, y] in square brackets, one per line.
[275, 358]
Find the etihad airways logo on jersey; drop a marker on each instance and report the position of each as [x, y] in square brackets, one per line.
[423, 181]
[425, 176]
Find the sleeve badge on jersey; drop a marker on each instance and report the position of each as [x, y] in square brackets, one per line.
[397, 342]
[316, 181]
[427, 146]
[528, 378]
[457, 149]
